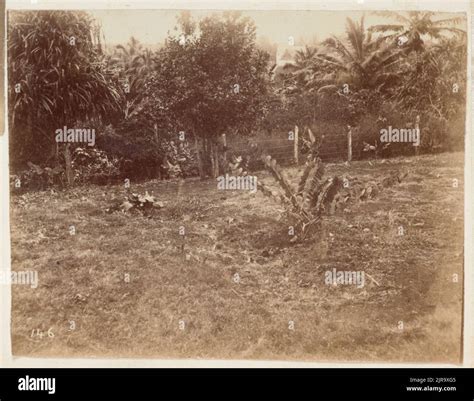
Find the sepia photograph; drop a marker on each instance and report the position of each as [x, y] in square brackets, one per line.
[258, 185]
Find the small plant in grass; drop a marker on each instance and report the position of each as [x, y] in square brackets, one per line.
[237, 166]
[306, 204]
[377, 149]
[143, 204]
[312, 198]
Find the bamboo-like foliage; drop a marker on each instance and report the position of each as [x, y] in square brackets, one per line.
[57, 76]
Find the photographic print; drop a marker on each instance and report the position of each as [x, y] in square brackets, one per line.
[237, 184]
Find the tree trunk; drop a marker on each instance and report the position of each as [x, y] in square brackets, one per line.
[224, 143]
[216, 160]
[211, 155]
[198, 155]
[158, 171]
[214, 156]
[160, 161]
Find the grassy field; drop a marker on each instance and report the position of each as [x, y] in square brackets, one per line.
[127, 280]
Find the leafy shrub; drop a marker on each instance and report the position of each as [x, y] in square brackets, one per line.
[246, 154]
[434, 133]
[313, 197]
[37, 178]
[94, 166]
[305, 204]
[147, 154]
[139, 154]
[179, 159]
[439, 134]
[137, 203]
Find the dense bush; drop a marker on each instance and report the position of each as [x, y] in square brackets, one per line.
[247, 154]
[138, 100]
[37, 178]
[143, 154]
[140, 156]
[179, 159]
[90, 166]
[93, 166]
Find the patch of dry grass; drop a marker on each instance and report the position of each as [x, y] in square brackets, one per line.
[128, 280]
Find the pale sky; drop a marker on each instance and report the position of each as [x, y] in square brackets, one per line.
[151, 26]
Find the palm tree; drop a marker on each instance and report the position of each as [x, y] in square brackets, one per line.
[129, 58]
[428, 79]
[361, 60]
[412, 25]
[300, 72]
[307, 73]
[131, 64]
[305, 58]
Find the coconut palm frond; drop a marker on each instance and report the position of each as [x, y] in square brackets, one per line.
[338, 46]
[386, 28]
[393, 15]
[355, 36]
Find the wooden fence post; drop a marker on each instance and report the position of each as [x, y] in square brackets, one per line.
[296, 155]
[198, 155]
[349, 144]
